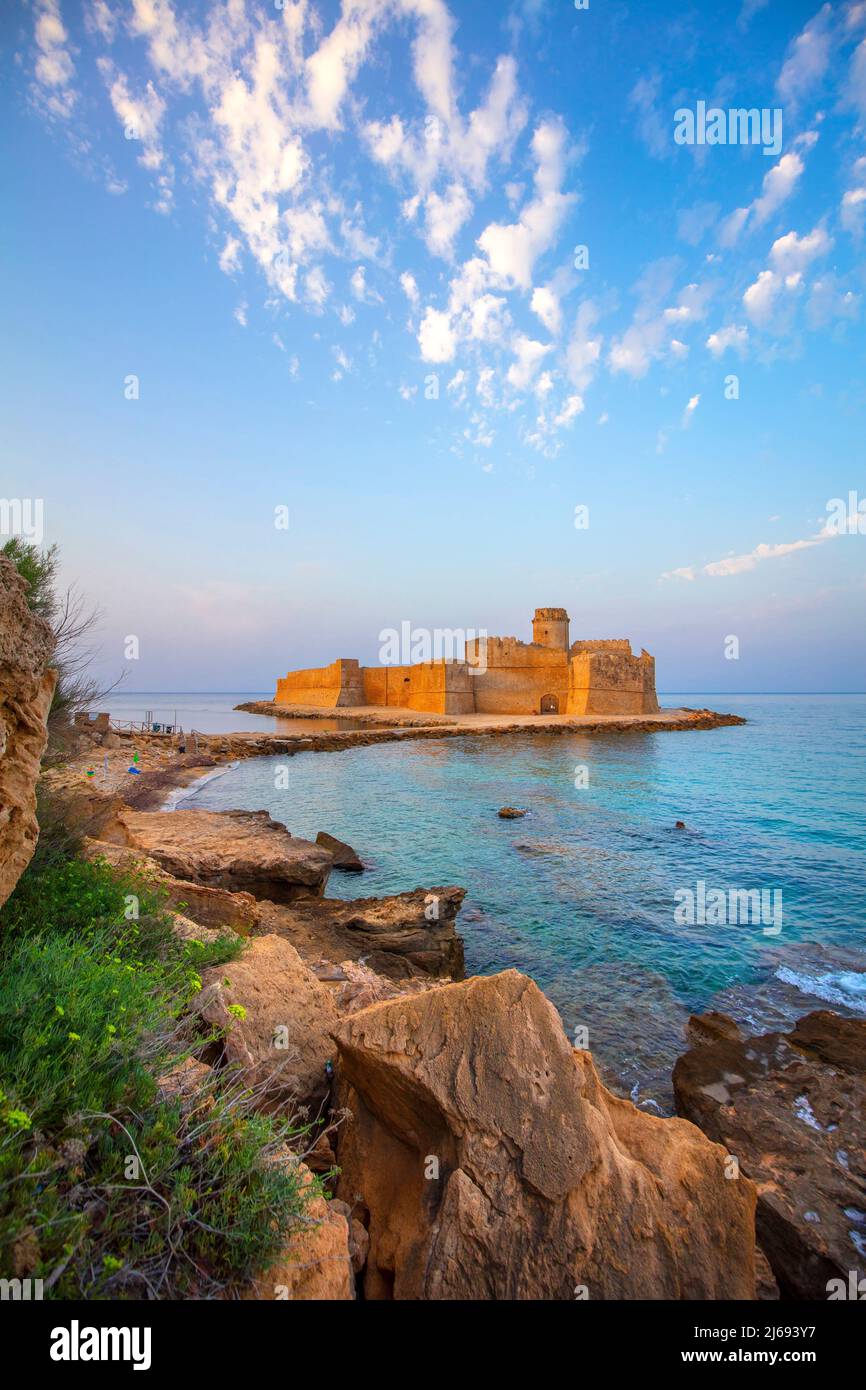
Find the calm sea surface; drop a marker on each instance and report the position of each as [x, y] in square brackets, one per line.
[580, 894]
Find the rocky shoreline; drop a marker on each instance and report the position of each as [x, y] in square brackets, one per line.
[468, 1150]
[472, 1152]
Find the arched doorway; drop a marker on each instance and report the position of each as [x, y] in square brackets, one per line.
[549, 704]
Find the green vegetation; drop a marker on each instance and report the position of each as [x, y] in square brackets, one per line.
[110, 1188]
[73, 622]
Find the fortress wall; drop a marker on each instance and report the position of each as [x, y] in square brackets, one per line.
[433, 687]
[602, 682]
[518, 676]
[324, 687]
[610, 644]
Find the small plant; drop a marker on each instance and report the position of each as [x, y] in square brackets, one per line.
[112, 1183]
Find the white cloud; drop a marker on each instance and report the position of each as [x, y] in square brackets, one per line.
[512, 250]
[436, 337]
[230, 256]
[572, 407]
[694, 402]
[317, 286]
[410, 287]
[852, 212]
[584, 347]
[808, 58]
[241, 314]
[54, 69]
[792, 254]
[100, 19]
[654, 126]
[545, 303]
[729, 337]
[528, 356]
[651, 334]
[742, 564]
[759, 300]
[444, 216]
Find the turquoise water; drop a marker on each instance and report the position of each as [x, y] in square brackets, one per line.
[580, 894]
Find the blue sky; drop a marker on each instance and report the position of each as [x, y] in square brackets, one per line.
[336, 245]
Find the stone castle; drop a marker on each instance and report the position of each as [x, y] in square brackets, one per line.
[498, 675]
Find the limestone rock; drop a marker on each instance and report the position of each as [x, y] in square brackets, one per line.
[26, 689]
[407, 934]
[792, 1108]
[279, 1036]
[511, 813]
[345, 857]
[359, 1240]
[243, 851]
[546, 1182]
[215, 909]
[316, 1263]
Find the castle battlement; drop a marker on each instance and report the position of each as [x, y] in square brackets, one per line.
[499, 675]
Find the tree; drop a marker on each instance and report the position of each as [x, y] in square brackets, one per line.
[73, 621]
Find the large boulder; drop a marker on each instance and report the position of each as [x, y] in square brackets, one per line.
[243, 851]
[316, 1262]
[345, 857]
[26, 688]
[214, 908]
[490, 1162]
[276, 1017]
[401, 936]
[792, 1108]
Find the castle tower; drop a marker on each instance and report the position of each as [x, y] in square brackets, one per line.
[550, 628]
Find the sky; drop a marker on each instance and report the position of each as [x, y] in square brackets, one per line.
[323, 316]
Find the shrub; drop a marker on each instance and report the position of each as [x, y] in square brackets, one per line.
[109, 1187]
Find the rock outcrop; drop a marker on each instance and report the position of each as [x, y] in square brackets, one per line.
[316, 1264]
[214, 908]
[345, 858]
[26, 689]
[404, 935]
[243, 851]
[489, 1162]
[277, 1019]
[792, 1108]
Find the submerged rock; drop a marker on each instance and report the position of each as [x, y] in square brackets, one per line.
[790, 1107]
[489, 1162]
[26, 690]
[511, 813]
[243, 851]
[401, 936]
[345, 857]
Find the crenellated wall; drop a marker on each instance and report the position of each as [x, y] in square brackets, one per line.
[611, 682]
[501, 675]
[518, 675]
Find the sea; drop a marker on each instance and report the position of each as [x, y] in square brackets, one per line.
[757, 907]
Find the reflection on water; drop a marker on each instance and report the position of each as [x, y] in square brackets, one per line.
[580, 893]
